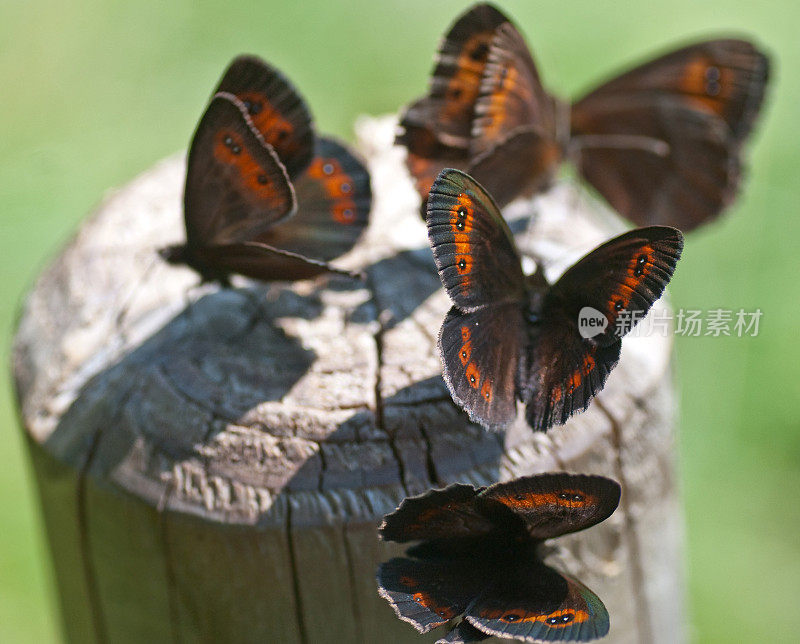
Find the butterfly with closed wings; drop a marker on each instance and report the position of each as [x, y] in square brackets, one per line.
[509, 336]
[661, 142]
[265, 197]
[479, 559]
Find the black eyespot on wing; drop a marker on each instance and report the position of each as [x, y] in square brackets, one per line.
[691, 110]
[557, 503]
[436, 129]
[334, 198]
[511, 94]
[465, 224]
[480, 353]
[446, 112]
[426, 594]
[562, 372]
[726, 78]
[276, 109]
[533, 602]
[625, 275]
[225, 198]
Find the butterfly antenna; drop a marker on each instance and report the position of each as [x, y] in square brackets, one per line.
[573, 144]
[119, 321]
[618, 142]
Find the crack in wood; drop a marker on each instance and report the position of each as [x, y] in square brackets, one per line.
[323, 468]
[98, 614]
[294, 566]
[379, 416]
[169, 569]
[98, 620]
[351, 579]
[430, 463]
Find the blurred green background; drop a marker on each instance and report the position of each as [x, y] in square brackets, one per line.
[94, 92]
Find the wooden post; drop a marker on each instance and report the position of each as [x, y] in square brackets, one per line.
[212, 464]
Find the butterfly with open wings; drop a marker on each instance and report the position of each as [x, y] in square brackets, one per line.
[661, 142]
[479, 559]
[265, 197]
[508, 336]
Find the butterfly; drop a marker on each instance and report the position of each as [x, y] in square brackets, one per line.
[509, 336]
[478, 558]
[265, 197]
[661, 142]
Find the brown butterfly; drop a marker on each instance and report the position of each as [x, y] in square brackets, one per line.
[265, 197]
[508, 336]
[479, 559]
[661, 142]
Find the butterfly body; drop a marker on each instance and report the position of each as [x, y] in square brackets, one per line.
[509, 337]
[479, 558]
[661, 142]
[266, 197]
[180, 255]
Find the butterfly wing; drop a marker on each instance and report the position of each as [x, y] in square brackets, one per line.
[276, 109]
[482, 336]
[437, 514]
[511, 94]
[562, 372]
[621, 279]
[518, 165]
[472, 244]
[480, 353]
[429, 593]
[558, 503]
[426, 157]
[334, 198]
[262, 262]
[447, 110]
[236, 187]
[726, 78]
[657, 162]
[436, 128]
[532, 602]
[661, 143]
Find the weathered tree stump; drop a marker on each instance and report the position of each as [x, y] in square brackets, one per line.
[212, 464]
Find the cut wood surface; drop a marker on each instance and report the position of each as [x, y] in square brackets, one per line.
[212, 464]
